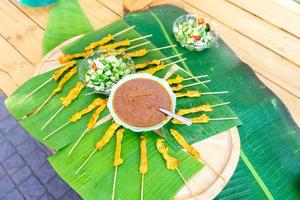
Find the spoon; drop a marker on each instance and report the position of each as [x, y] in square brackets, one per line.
[184, 120]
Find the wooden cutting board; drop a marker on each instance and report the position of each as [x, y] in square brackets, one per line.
[221, 152]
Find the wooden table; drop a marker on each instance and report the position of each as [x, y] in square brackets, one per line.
[263, 33]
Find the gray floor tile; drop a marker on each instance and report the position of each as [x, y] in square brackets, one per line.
[25, 173]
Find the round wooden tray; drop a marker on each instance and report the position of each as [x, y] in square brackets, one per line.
[221, 151]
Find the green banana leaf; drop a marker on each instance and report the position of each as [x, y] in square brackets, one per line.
[269, 167]
[95, 181]
[61, 24]
[19, 106]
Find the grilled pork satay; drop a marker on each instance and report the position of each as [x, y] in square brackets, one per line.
[67, 100]
[179, 79]
[160, 67]
[69, 57]
[101, 143]
[143, 52]
[191, 150]
[196, 93]
[122, 43]
[78, 115]
[143, 162]
[179, 87]
[55, 77]
[106, 39]
[90, 125]
[118, 159]
[202, 108]
[172, 163]
[62, 82]
[203, 119]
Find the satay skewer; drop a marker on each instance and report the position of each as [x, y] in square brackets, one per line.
[143, 52]
[58, 89]
[179, 79]
[89, 49]
[191, 150]
[202, 108]
[196, 93]
[78, 115]
[101, 143]
[160, 67]
[91, 124]
[179, 87]
[55, 77]
[172, 163]
[117, 160]
[143, 162]
[153, 62]
[122, 43]
[203, 119]
[66, 101]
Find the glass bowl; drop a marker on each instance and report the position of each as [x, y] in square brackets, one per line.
[100, 72]
[192, 42]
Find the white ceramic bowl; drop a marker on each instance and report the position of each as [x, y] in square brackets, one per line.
[146, 76]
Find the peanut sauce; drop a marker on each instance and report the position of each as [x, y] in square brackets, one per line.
[137, 101]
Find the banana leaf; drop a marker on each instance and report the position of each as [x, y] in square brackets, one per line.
[95, 181]
[269, 167]
[86, 185]
[61, 24]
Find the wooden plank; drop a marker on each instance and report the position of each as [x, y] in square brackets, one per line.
[21, 31]
[116, 6]
[38, 15]
[272, 13]
[264, 62]
[97, 13]
[289, 4]
[275, 71]
[14, 68]
[258, 30]
[133, 5]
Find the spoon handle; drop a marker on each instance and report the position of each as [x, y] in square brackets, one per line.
[184, 120]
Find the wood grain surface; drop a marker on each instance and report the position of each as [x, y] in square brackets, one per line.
[264, 34]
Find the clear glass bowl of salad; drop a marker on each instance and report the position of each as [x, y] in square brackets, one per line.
[194, 32]
[101, 71]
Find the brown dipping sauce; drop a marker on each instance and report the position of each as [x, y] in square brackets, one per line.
[136, 102]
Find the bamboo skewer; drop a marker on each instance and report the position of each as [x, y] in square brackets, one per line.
[190, 149]
[186, 183]
[91, 124]
[179, 79]
[55, 77]
[202, 108]
[202, 119]
[157, 68]
[118, 160]
[180, 86]
[196, 93]
[101, 143]
[94, 44]
[78, 115]
[122, 43]
[123, 31]
[171, 162]
[143, 162]
[66, 101]
[58, 89]
[153, 62]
